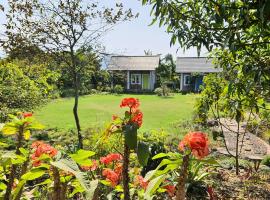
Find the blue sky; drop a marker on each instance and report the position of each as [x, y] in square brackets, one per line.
[133, 37]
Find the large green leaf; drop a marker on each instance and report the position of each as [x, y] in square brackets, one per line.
[69, 165]
[156, 172]
[33, 174]
[154, 185]
[82, 157]
[143, 153]
[130, 133]
[2, 186]
[9, 129]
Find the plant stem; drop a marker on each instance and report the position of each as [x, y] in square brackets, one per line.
[125, 172]
[181, 191]
[14, 167]
[56, 185]
[23, 171]
[237, 149]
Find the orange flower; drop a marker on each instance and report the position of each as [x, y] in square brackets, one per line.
[40, 149]
[197, 142]
[132, 103]
[27, 114]
[141, 182]
[111, 176]
[137, 117]
[110, 158]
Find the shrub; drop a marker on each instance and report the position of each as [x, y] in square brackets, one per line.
[108, 89]
[17, 91]
[94, 91]
[158, 91]
[118, 89]
[162, 91]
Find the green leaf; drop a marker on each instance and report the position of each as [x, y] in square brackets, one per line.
[3, 144]
[9, 130]
[143, 153]
[70, 165]
[33, 174]
[24, 151]
[130, 133]
[2, 186]
[26, 134]
[160, 155]
[82, 157]
[164, 162]
[104, 182]
[35, 125]
[154, 185]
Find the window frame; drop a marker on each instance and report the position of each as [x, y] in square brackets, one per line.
[139, 80]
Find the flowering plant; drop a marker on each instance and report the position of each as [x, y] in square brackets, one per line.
[128, 127]
[60, 172]
[176, 165]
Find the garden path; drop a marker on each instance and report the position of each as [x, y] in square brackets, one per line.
[250, 146]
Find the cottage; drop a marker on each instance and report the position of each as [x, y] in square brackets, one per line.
[192, 70]
[139, 70]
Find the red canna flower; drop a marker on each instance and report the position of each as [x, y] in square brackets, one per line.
[27, 114]
[40, 149]
[137, 117]
[170, 189]
[111, 158]
[197, 142]
[139, 180]
[111, 176]
[132, 103]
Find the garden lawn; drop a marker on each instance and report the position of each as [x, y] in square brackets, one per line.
[95, 110]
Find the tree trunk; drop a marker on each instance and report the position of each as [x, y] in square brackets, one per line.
[181, 190]
[125, 172]
[75, 111]
[13, 170]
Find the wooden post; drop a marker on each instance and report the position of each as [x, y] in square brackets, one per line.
[128, 81]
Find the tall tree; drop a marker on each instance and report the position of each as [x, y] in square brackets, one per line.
[240, 27]
[237, 33]
[65, 28]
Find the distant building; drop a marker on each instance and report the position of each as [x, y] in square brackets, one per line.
[140, 71]
[192, 70]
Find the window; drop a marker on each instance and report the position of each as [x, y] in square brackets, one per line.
[187, 79]
[136, 78]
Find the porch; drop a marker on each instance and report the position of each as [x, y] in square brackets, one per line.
[139, 81]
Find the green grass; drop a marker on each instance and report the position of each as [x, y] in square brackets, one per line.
[159, 113]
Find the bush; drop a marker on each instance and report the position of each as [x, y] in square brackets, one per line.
[108, 89]
[162, 91]
[118, 89]
[17, 91]
[158, 91]
[94, 91]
